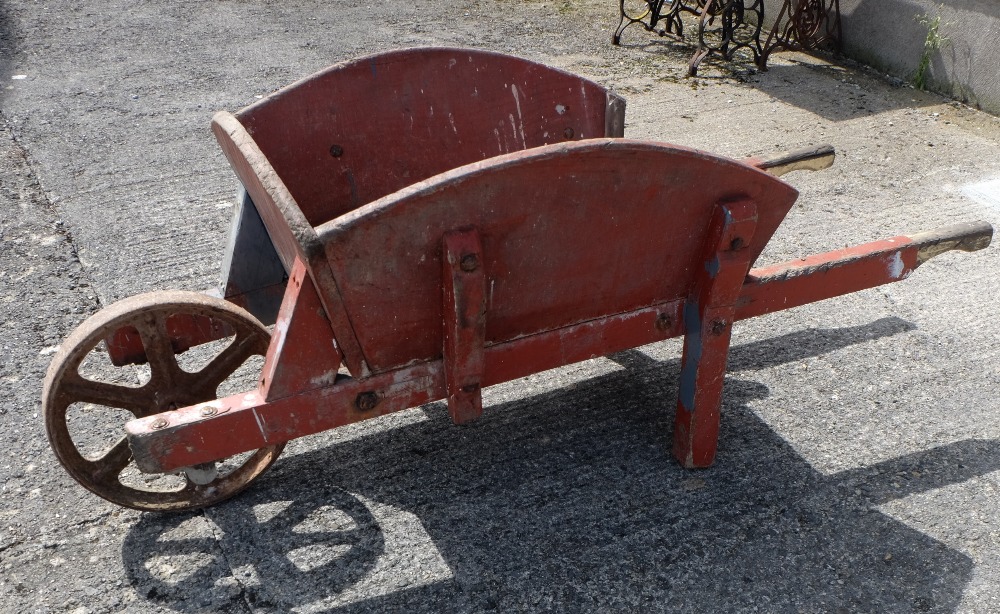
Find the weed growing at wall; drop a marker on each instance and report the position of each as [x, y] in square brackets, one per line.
[934, 41]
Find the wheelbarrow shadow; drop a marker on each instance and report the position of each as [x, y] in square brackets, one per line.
[577, 507]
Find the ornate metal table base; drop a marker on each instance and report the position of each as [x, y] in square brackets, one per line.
[726, 26]
[803, 25]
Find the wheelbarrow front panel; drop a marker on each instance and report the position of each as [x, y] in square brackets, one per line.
[569, 233]
[366, 128]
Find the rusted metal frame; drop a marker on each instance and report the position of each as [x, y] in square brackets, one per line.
[303, 353]
[241, 422]
[839, 272]
[708, 318]
[464, 311]
[803, 25]
[125, 346]
[733, 17]
[674, 26]
[291, 233]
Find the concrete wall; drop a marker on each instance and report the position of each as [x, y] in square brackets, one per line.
[887, 35]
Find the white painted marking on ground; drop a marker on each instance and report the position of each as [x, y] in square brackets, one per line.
[986, 192]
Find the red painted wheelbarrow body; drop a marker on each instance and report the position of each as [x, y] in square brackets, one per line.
[448, 247]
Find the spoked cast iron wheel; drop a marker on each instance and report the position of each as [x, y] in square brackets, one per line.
[109, 473]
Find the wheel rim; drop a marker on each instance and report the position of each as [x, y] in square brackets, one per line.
[169, 386]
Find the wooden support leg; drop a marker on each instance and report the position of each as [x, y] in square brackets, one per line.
[706, 348]
[303, 353]
[708, 318]
[464, 324]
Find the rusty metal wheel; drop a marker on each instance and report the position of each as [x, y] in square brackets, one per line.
[87, 398]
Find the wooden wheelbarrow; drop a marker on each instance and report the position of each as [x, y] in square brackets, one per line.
[475, 235]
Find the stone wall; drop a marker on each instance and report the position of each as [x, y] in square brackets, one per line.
[888, 35]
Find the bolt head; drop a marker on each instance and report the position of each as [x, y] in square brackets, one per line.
[366, 401]
[208, 411]
[159, 423]
[469, 263]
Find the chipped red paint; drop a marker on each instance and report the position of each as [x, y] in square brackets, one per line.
[464, 317]
[302, 356]
[826, 275]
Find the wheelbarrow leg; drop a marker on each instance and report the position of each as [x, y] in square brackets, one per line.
[708, 319]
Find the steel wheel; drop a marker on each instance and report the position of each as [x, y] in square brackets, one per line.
[104, 393]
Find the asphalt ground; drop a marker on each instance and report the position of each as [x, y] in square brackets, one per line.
[858, 464]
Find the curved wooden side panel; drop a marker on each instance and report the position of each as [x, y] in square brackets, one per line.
[363, 129]
[569, 233]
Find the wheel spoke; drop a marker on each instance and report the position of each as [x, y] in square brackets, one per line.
[225, 364]
[136, 400]
[108, 467]
[159, 351]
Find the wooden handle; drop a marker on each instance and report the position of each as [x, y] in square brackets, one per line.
[966, 237]
[805, 159]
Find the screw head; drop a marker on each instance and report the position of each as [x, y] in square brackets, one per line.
[718, 327]
[469, 263]
[366, 401]
[568, 133]
[736, 244]
[159, 423]
[664, 322]
[336, 151]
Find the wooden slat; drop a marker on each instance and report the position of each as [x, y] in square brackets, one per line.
[365, 128]
[464, 330]
[570, 233]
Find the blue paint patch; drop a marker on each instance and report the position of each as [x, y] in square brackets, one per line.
[692, 355]
[374, 67]
[713, 266]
